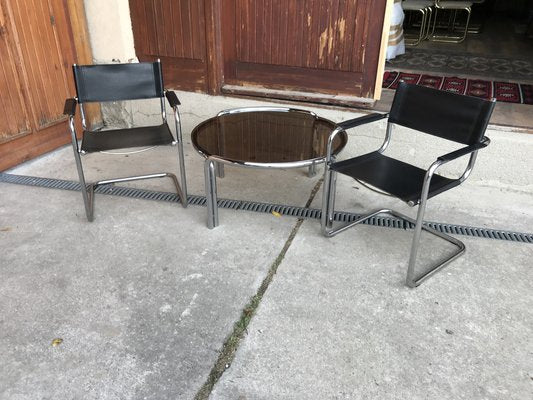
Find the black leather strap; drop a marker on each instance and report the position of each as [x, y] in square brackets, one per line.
[464, 151]
[172, 98]
[451, 116]
[115, 82]
[70, 107]
[366, 119]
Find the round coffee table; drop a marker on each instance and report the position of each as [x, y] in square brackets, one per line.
[261, 137]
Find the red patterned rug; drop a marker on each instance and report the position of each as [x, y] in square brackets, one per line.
[502, 91]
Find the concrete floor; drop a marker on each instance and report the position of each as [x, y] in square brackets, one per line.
[145, 297]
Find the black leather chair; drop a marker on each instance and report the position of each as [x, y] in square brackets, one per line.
[458, 118]
[116, 82]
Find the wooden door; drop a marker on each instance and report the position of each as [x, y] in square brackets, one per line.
[36, 55]
[175, 32]
[300, 49]
[321, 46]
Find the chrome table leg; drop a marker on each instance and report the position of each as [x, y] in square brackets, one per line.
[211, 192]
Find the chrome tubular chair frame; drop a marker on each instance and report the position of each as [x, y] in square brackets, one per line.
[426, 12]
[450, 38]
[88, 189]
[329, 188]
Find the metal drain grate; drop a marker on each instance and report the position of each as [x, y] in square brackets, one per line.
[299, 212]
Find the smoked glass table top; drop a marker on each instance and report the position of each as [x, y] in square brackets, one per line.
[273, 137]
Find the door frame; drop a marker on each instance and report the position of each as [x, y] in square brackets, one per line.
[383, 49]
[83, 53]
[214, 56]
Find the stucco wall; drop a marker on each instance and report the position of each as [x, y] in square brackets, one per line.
[110, 31]
[111, 40]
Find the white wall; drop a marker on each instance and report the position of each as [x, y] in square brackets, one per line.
[110, 31]
[111, 40]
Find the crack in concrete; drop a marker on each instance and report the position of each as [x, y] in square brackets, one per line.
[231, 344]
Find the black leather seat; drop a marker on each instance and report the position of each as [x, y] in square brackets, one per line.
[402, 180]
[446, 115]
[113, 139]
[117, 82]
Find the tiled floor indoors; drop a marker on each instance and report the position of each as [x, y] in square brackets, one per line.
[502, 42]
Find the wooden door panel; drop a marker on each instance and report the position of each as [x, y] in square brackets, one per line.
[35, 21]
[327, 46]
[173, 31]
[14, 122]
[306, 34]
[39, 53]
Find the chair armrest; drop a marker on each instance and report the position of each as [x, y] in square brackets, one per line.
[464, 151]
[70, 107]
[172, 98]
[365, 119]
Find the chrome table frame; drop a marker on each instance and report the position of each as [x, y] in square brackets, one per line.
[214, 165]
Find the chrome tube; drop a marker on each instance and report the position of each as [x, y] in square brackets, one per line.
[428, 22]
[311, 170]
[163, 109]
[173, 177]
[328, 192]
[421, 211]
[88, 200]
[181, 156]
[362, 219]
[327, 207]
[332, 135]
[469, 167]
[388, 136]
[82, 113]
[133, 178]
[413, 281]
[248, 164]
[410, 281]
[449, 38]
[211, 193]
[262, 108]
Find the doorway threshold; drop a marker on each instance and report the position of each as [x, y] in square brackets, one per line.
[300, 96]
[506, 116]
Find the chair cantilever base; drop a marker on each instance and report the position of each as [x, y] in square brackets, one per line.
[91, 187]
[411, 280]
[405, 181]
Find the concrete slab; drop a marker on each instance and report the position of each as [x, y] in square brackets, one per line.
[142, 298]
[338, 323]
[145, 296]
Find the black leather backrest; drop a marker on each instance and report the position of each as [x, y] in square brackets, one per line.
[112, 82]
[451, 116]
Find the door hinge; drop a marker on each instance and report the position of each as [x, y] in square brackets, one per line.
[52, 20]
